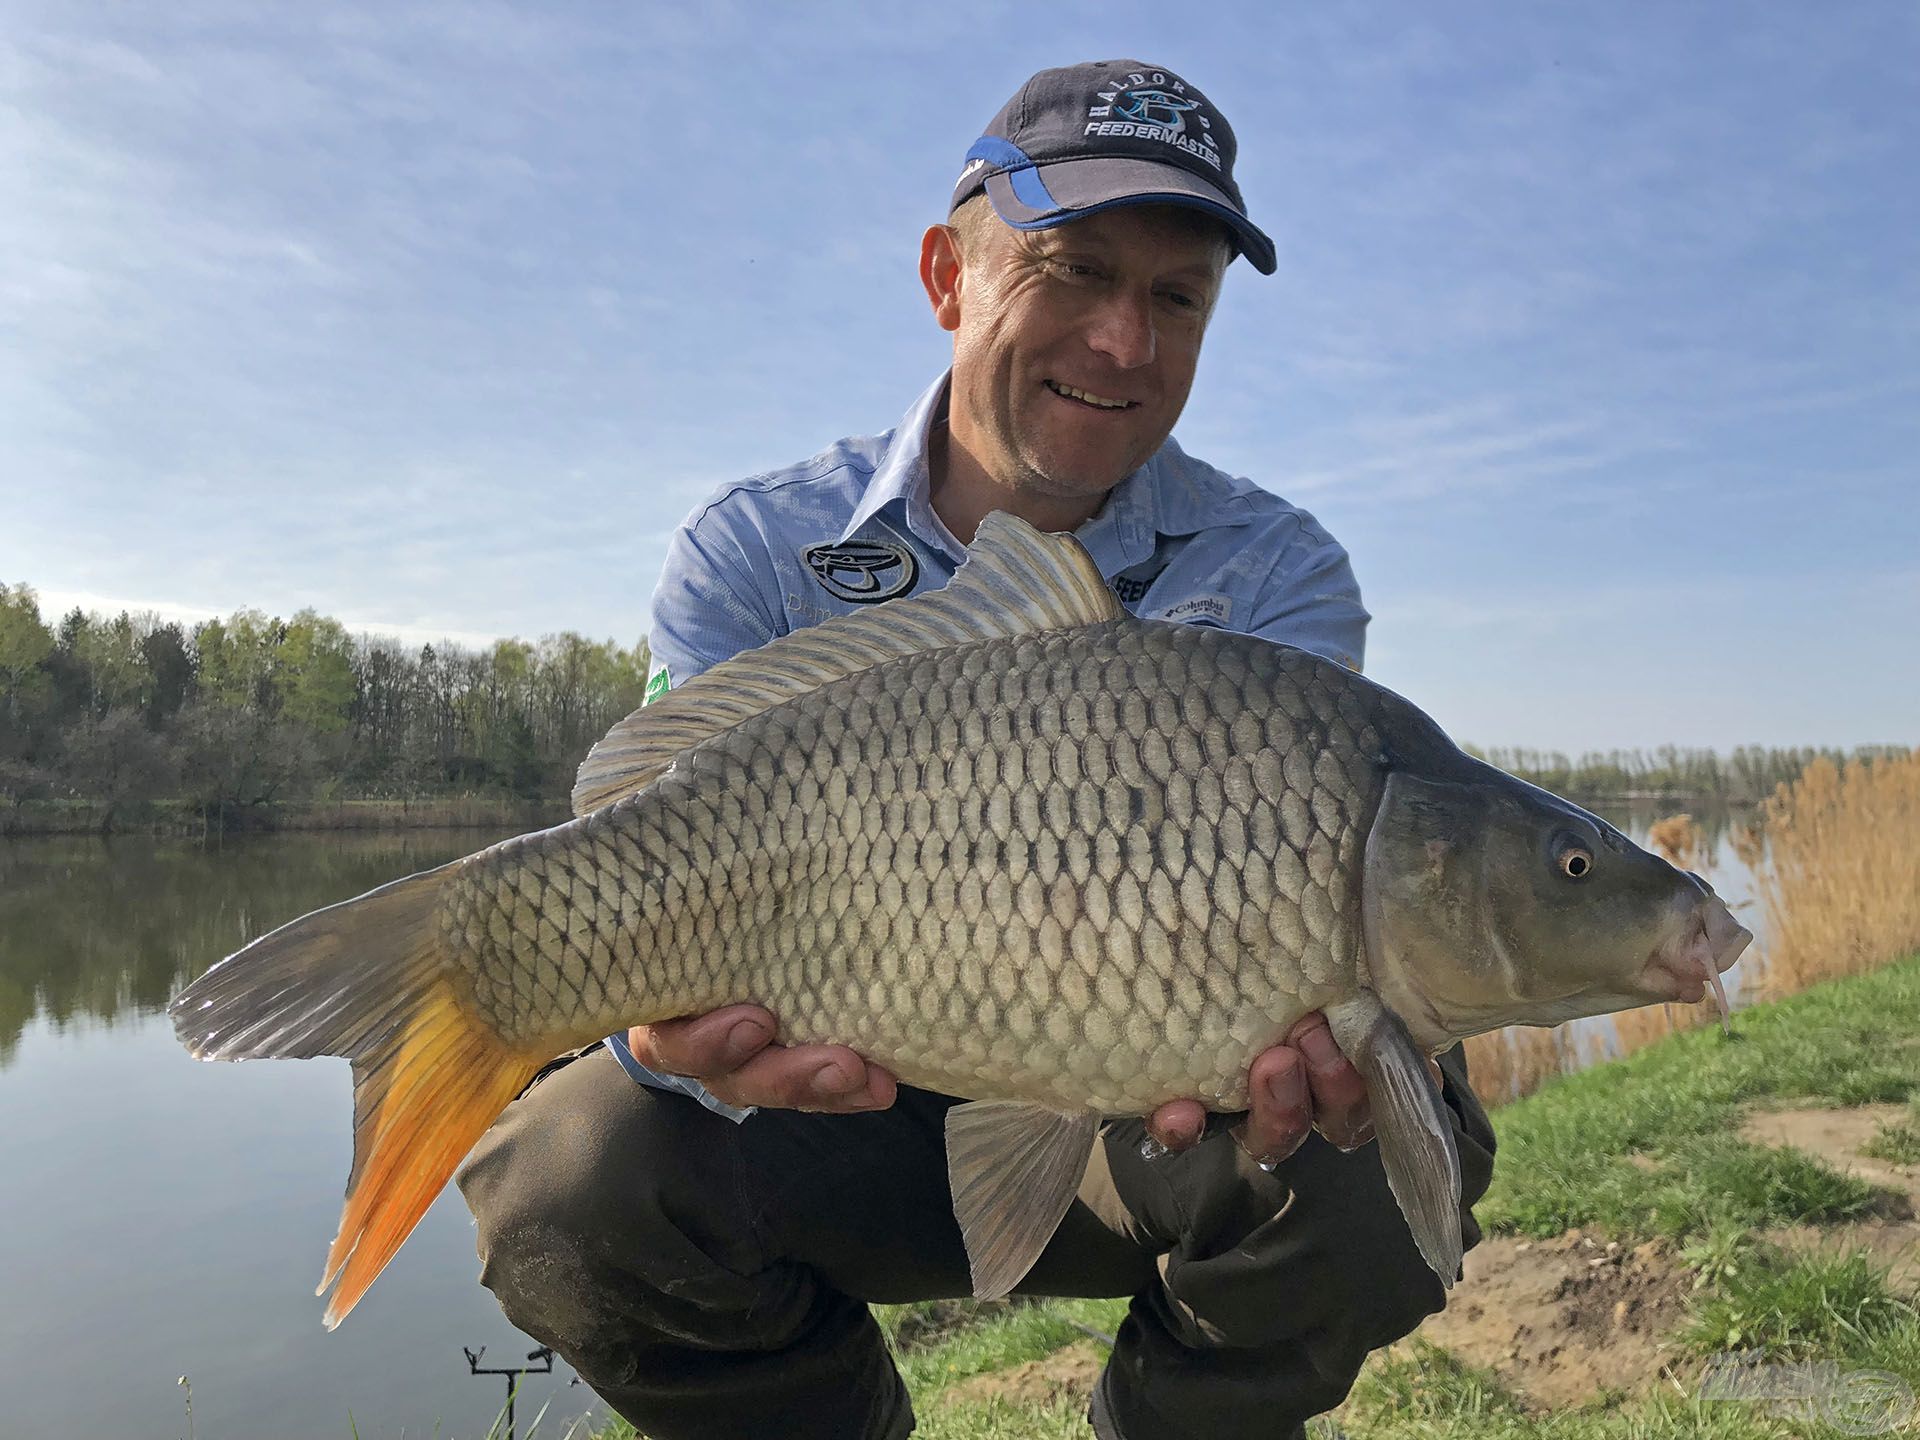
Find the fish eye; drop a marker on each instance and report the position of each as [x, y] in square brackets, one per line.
[1573, 859]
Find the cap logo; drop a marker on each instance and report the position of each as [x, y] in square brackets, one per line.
[1152, 106]
[1155, 107]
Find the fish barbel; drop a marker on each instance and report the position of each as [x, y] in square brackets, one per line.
[1014, 845]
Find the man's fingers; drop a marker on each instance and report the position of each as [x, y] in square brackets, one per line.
[703, 1046]
[828, 1078]
[1340, 1109]
[1280, 1112]
[731, 1052]
[1178, 1124]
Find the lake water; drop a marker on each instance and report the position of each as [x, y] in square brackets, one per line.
[162, 1217]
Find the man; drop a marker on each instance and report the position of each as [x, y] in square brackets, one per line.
[706, 1265]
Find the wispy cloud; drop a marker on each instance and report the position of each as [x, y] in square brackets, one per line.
[443, 315]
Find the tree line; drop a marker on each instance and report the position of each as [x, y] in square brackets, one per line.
[251, 710]
[1747, 776]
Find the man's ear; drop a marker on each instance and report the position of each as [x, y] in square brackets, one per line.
[940, 271]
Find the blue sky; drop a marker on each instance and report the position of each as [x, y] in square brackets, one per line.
[1596, 337]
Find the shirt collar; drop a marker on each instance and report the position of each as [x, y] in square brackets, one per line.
[1121, 535]
[902, 477]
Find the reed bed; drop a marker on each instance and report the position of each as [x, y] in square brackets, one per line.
[1836, 861]
[1839, 876]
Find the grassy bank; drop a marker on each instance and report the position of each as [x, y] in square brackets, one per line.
[445, 812]
[1762, 1245]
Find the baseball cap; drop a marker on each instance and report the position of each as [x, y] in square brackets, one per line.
[1089, 137]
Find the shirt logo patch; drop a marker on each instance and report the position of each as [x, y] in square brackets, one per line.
[863, 571]
[1201, 609]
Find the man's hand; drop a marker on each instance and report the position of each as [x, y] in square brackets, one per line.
[1303, 1083]
[732, 1052]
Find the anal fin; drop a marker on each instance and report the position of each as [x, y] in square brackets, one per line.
[1014, 1168]
[1412, 1123]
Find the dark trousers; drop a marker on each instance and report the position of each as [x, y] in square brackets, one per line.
[711, 1280]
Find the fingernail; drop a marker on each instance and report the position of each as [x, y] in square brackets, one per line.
[1288, 1090]
[1356, 1140]
[1317, 1045]
[746, 1039]
[834, 1080]
[1152, 1149]
[1268, 1163]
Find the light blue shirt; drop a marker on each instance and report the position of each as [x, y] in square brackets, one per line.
[1177, 540]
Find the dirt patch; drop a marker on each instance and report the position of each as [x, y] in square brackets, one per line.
[1890, 1230]
[1562, 1321]
[1069, 1371]
[1566, 1320]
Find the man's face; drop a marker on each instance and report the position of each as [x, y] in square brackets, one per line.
[1075, 346]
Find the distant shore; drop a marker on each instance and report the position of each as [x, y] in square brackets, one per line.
[433, 812]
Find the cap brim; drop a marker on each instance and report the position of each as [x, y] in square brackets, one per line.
[1040, 196]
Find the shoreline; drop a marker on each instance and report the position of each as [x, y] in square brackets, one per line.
[35, 819]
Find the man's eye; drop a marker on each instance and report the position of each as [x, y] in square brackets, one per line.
[1181, 299]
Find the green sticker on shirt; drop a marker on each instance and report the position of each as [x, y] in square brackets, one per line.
[658, 684]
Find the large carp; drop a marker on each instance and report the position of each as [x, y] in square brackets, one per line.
[1014, 845]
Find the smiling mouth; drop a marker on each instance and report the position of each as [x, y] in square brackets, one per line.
[1088, 398]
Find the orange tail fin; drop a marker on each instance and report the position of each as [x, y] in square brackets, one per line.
[371, 980]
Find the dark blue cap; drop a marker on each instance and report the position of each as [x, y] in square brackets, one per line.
[1089, 137]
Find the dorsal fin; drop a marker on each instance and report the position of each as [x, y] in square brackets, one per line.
[1014, 581]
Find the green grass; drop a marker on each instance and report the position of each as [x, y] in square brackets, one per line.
[1060, 1419]
[1638, 1148]
[1833, 1306]
[1647, 1146]
[1423, 1384]
[1007, 1335]
[1899, 1139]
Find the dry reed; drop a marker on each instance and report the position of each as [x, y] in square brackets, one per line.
[1840, 878]
[1506, 1064]
[1679, 840]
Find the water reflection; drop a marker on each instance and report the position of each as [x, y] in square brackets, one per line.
[108, 930]
[165, 1217]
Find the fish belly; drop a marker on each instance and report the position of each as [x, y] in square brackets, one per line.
[1096, 869]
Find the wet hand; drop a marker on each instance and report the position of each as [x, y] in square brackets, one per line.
[1304, 1083]
[732, 1051]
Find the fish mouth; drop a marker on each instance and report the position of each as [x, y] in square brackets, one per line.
[1702, 948]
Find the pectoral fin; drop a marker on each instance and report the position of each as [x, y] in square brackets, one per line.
[1411, 1122]
[1014, 1170]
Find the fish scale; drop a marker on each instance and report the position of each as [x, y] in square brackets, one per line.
[1012, 844]
[854, 861]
